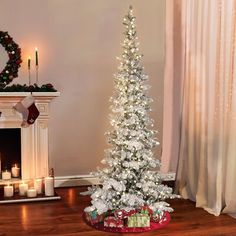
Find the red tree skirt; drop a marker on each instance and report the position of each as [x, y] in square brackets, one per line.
[153, 226]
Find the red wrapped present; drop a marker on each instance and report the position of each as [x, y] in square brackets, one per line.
[121, 214]
[158, 217]
[93, 217]
[112, 221]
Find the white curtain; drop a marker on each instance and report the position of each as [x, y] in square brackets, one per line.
[206, 116]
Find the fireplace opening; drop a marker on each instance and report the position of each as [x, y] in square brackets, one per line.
[10, 153]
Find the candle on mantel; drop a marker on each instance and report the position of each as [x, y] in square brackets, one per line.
[6, 175]
[31, 192]
[36, 57]
[38, 185]
[15, 171]
[37, 65]
[23, 188]
[49, 186]
[29, 60]
[8, 191]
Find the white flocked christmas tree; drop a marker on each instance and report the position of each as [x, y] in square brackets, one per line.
[128, 181]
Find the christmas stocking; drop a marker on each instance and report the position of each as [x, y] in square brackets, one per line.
[28, 110]
[33, 114]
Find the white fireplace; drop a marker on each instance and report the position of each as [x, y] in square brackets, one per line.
[34, 139]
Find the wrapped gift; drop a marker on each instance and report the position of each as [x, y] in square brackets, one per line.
[158, 216]
[121, 214]
[93, 217]
[112, 221]
[139, 220]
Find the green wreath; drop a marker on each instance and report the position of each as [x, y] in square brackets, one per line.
[14, 53]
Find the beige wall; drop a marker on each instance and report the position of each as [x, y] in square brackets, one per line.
[78, 41]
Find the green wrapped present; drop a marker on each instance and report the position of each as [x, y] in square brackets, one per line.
[139, 220]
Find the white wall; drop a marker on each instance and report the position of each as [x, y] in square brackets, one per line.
[78, 41]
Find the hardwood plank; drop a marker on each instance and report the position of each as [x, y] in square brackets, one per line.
[64, 217]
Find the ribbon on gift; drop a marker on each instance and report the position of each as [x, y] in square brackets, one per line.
[146, 210]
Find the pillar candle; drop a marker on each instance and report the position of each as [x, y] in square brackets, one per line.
[31, 192]
[6, 175]
[23, 188]
[38, 185]
[15, 171]
[8, 191]
[49, 186]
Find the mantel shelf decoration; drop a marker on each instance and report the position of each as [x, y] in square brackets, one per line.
[14, 53]
[10, 71]
[28, 88]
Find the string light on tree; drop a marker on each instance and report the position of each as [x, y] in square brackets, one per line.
[128, 183]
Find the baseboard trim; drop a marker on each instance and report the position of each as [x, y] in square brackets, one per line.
[81, 180]
[76, 180]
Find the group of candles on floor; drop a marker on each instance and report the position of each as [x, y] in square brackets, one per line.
[15, 172]
[27, 188]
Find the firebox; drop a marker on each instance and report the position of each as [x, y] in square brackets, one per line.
[10, 150]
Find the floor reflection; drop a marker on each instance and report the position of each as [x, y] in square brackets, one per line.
[24, 217]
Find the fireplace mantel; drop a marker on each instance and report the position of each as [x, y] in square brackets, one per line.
[34, 139]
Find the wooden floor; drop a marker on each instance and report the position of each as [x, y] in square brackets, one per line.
[64, 218]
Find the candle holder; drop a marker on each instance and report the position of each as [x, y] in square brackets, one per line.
[29, 77]
[37, 65]
[37, 74]
[29, 71]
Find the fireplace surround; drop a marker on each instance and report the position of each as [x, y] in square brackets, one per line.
[34, 139]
